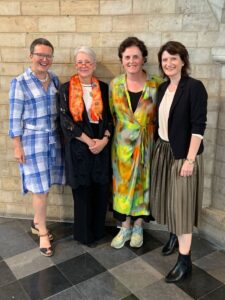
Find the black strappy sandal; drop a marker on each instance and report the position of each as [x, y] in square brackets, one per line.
[35, 231]
[46, 251]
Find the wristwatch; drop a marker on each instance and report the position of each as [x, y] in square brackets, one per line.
[190, 161]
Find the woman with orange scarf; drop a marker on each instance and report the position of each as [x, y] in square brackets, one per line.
[86, 124]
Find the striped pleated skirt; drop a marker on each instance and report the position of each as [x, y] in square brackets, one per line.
[175, 201]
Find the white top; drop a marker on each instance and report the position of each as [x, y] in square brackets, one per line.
[164, 110]
[87, 97]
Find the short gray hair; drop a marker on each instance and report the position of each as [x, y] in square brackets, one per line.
[87, 50]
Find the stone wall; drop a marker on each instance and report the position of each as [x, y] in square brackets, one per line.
[103, 25]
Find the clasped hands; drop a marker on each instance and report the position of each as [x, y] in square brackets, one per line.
[98, 145]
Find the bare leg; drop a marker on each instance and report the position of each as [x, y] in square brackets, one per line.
[126, 223]
[39, 205]
[185, 243]
[138, 222]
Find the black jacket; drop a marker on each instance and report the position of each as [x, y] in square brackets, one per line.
[83, 167]
[187, 114]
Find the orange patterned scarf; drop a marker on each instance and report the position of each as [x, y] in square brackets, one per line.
[76, 102]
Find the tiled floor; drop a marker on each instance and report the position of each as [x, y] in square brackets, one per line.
[79, 272]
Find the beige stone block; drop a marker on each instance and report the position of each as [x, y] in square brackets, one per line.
[166, 23]
[57, 24]
[206, 71]
[189, 39]
[200, 55]
[12, 39]
[115, 7]
[53, 212]
[200, 22]
[152, 6]
[62, 56]
[15, 210]
[11, 69]
[4, 168]
[110, 55]
[220, 150]
[15, 55]
[66, 213]
[127, 24]
[53, 39]
[4, 127]
[6, 197]
[107, 70]
[221, 137]
[221, 122]
[9, 8]
[13, 169]
[211, 39]
[220, 169]
[67, 190]
[207, 197]
[212, 87]
[11, 183]
[2, 208]
[4, 112]
[20, 198]
[112, 39]
[40, 8]
[222, 86]
[151, 39]
[192, 6]
[219, 185]
[210, 135]
[18, 24]
[2, 143]
[98, 24]
[74, 40]
[63, 70]
[208, 162]
[56, 189]
[208, 181]
[4, 97]
[80, 7]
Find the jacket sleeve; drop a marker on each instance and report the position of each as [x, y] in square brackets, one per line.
[107, 109]
[198, 108]
[69, 127]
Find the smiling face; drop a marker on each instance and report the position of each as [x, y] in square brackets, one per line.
[132, 60]
[172, 65]
[85, 67]
[41, 64]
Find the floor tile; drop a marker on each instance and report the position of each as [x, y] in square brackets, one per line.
[28, 262]
[80, 268]
[130, 297]
[136, 274]
[162, 290]
[104, 286]
[69, 294]
[218, 294]
[13, 291]
[200, 247]
[214, 264]
[110, 257]
[45, 283]
[150, 243]
[199, 283]
[161, 263]
[66, 249]
[61, 230]
[6, 275]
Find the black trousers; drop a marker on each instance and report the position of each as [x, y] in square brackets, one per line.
[90, 206]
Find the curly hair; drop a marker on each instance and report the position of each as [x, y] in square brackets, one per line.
[133, 41]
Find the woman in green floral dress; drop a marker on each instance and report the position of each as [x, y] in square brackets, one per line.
[132, 103]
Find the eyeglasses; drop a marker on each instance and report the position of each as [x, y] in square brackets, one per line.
[87, 63]
[41, 55]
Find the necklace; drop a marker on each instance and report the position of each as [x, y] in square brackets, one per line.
[45, 79]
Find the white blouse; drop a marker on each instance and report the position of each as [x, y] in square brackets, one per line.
[87, 90]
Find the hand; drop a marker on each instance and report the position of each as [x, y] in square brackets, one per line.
[187, 169]
[19, 154]
[99, 145]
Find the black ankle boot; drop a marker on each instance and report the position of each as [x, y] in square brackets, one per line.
[181, 270]
[171, 244]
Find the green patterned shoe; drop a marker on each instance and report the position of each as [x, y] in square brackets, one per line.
[136, 237]
[121, 238]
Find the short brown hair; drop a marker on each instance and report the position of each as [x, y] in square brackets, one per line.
[40, 41]
[173, 47]
[133, 41]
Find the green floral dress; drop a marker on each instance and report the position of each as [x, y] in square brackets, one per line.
[132, 146]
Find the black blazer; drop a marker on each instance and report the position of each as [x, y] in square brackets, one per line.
[83, 167]
[187, 114]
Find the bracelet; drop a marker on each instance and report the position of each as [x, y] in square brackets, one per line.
[107, 136]
[190, 161]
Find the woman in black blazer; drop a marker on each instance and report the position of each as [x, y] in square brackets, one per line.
[177, 166]
[87, 127]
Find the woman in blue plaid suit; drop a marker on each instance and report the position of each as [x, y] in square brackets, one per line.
[34, 131]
